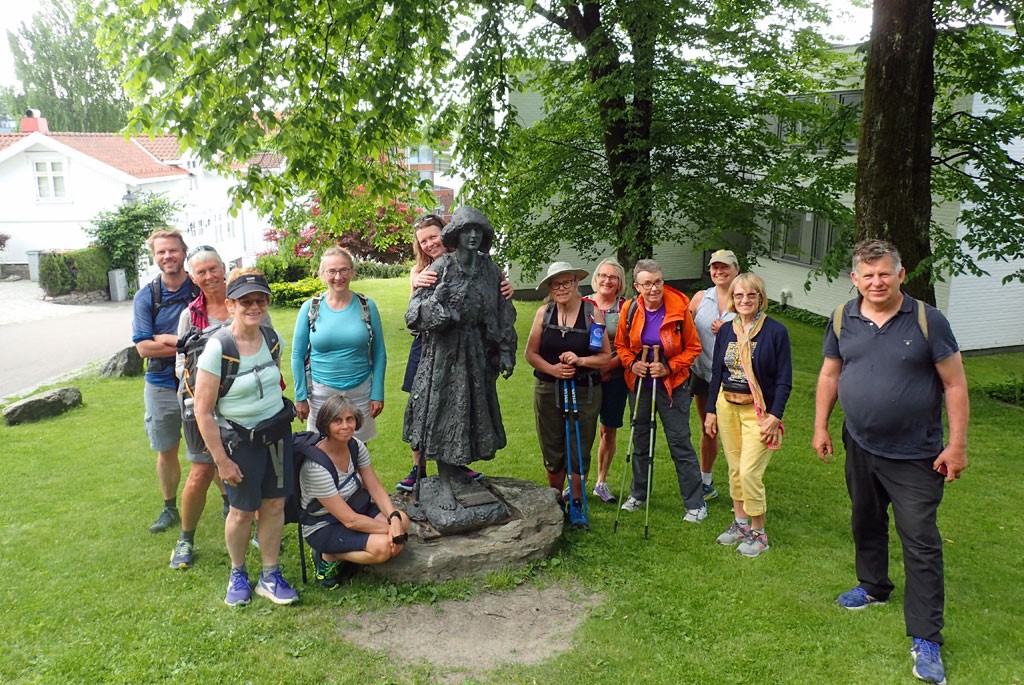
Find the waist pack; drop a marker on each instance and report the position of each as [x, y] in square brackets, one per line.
[737, 397]
[268, 431]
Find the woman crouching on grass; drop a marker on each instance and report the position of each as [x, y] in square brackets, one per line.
[348, 518]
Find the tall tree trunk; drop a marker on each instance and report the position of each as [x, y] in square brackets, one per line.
[893, 196]
[626, 125]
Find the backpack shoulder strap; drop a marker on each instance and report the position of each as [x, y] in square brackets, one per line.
[273, 341]
[230, 360]
[549, 315]
[922, 317]
[631, 312]
[156, 297]
[364, 314]
[314, 310]
[837, 320]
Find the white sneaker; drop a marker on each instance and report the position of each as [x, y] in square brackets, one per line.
[632, 504]
[696, 515]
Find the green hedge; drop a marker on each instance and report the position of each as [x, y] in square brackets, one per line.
[801, 315]
[81, 271]
[1010, 391]
[294, 294]
[89, 268]
[369, 269]
[54, 275]
[284, 269]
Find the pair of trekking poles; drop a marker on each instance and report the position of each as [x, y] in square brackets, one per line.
[579, 514]
[655, 351]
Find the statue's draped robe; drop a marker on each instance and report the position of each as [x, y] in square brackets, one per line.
[468, 334]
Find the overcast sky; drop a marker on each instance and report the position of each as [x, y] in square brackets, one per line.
[14, 13]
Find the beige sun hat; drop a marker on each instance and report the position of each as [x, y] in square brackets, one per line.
[724, 257]
[562, 268]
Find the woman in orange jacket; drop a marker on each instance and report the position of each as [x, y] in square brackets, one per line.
[660, 319]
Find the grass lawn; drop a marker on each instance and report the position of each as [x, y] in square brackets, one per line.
[87, 596]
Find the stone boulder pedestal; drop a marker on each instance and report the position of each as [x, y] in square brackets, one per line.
[530, 533]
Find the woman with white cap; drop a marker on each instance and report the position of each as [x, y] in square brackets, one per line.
[710, 309]
[559, 350]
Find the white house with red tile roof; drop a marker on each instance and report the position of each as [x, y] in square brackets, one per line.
[53, 184]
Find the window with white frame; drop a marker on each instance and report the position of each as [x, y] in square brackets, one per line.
[51, 179]
[802, 237]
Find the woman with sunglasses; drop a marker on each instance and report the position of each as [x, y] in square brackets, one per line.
[559, 351]
[343, 355]
[248, 433]
[660, 319]
[751, 379]
[208, 309]
[426, 247]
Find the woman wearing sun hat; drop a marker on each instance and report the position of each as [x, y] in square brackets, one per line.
[559, 349]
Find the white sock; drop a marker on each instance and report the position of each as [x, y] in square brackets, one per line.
[742, 521]
[707, 478]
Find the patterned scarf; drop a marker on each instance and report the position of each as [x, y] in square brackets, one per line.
[744, 344]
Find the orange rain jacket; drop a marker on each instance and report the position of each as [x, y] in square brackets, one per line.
[680, 344]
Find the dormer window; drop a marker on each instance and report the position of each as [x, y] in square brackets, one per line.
[50, 178]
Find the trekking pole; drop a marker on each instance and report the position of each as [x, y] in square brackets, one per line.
[568, 446]
[629, 447]
[579, 455]
[654, 428]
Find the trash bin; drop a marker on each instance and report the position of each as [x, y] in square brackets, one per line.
[33, 264]
[118, 285]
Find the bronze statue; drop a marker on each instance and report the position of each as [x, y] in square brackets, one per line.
[469, 337]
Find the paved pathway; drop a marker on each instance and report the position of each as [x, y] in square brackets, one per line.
[41, 342]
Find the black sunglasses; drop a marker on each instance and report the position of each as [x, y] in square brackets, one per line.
[199, 248]
[428, 218]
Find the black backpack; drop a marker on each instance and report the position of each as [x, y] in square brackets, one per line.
[192, 344]
[156, 295]
[303, 448]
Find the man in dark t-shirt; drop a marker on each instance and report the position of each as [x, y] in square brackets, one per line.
[891, 368]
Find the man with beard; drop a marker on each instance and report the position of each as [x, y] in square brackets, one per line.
[157, 307]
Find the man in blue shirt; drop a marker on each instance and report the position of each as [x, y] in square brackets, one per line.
[891, 365]
[154, 332]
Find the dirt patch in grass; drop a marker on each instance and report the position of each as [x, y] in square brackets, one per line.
[465, 639]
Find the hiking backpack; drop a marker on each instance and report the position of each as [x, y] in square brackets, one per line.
[303, 448]
[922, 320]
[192, 344]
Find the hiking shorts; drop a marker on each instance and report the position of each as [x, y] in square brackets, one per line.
[266, 470]
[335, 538]
[163, 417]
[613, 402]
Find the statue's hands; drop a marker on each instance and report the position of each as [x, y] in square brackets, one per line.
[508, 365]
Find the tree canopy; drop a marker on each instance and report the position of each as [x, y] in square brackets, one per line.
[664, 120]
[656, 109]
[948, 127]
[61, 73]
